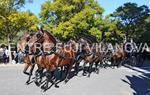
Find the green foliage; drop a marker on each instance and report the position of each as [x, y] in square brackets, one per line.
[146, 33]
[96, 32]
[12, 21]
[67, 18]
[23, 21]
[132, 19]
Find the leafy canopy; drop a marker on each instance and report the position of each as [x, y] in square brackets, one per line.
[13, 21]
[67, 18]
[132, 19]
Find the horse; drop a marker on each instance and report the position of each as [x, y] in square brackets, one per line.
[125, 54]
[41, 44]
[21, 46]
[88, 55]
[99, 57]
[63, 56]
[93, 57]
[117, 58]
[81, 53]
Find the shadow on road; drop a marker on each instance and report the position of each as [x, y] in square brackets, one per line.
[140, 83]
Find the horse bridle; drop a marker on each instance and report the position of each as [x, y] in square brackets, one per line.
[38, 38]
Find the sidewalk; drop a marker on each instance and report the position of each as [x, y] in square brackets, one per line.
[10, 65]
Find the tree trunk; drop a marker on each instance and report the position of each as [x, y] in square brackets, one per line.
[9, 50]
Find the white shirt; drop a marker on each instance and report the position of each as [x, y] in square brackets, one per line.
[6, 52]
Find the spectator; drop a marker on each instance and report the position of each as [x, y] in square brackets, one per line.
[5, 55]
[1, 55]
[14, 55]
[20, 57]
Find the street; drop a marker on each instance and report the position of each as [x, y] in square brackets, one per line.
[121, 81]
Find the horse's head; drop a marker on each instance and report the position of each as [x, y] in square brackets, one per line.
[72, 43]
[42, 39]
[37, 38]
[84, 45]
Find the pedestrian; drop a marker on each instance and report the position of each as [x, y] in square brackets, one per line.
[14, 57]
[20, 57]
[7, 54]
[4, 56]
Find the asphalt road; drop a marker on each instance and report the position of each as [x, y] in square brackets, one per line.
[122, 81]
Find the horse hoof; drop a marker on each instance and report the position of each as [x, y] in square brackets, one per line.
[27, 83]
[56, 86]
[97, 72]
[118, 66]
[66, 80]
[43, 87]
[83, 74]
[43, 90]
[37, 84]
[26, 73]
[76, 74]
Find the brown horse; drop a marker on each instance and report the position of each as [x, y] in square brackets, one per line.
[98, 58]
[41, 44]
[64, 56]
[82, 52]
[94, 57]
[27, 58]
[88, 54]
[118, 56]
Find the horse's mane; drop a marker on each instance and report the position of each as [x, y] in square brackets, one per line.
[86, 36]
[50, 36]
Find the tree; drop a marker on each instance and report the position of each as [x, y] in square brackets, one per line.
[146, 34]
[67, 18]
[132, 19]
[110, 30]
[12, 21]
[22, 21]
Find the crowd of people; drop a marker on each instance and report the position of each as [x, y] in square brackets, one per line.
[17, 57]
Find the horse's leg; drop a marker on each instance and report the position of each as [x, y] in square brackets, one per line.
[117, 63]
[30, 74]
[77, 68]
[67, 73]
[101, 65]
[113, 63]
[48, 75]
[61, 72]
[25, 69]
[41, 74]
[90, 69]
[120, 63]
[96, 67]
[84, 69]
[38, 76]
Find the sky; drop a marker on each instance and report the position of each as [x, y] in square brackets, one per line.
[109, 5]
